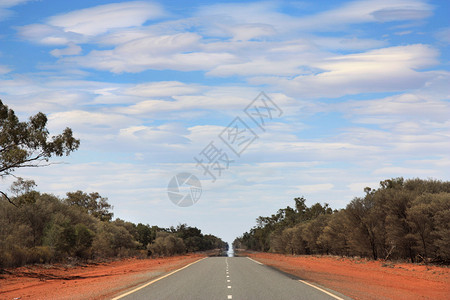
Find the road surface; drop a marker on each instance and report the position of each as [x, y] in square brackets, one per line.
[237, 278]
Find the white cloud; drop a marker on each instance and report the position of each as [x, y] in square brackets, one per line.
[401, 107]
[284, 58]
[5, 12]
[260, 18]
[443, 35]
[380, 70]
[406, 32]
[247, 32]
[122, 36]
[392, 172]
[49, 35]
[82, 26]
[261, 38]
[314, 188]
[93, 126]
[71, 49]
[174, 97]
[355, 12]
[11, 3]
[163, 134]
[176, 52]
[61, 92]
[99, 19]
[258, 66]
[399, 14]
[343, 43]
[290, 57]
[368, 11]
[160, 45]
[162, 89]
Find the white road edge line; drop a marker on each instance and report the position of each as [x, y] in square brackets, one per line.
[316, 287]
[155, 280]
[322, 290]
[255, 261]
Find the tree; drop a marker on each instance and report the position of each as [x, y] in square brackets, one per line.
[442, 223]
[61, 235]
[335, 234]
[23, 191]
[112, 240]
[402, 219]
[429, 217]
[21, 186]
[145, 234]
[84, 239]
[166, 244]
[27, 144]
[364, 219]
[92, 203]
[399, 232]
[312, 231]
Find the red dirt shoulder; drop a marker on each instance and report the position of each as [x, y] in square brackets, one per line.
[91, 281]
[365, 279]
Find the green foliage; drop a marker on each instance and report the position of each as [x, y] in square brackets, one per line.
[112, 239]
[402, 219]
[194, 240]
[166, 244]
[23, 191]
[50, 229]
[92, 203]
[22, 186]
[83, 241]
[26, 144]
[146, 234]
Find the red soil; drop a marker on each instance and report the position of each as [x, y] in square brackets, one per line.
[93, 281]
[359, 279]
[364, 279]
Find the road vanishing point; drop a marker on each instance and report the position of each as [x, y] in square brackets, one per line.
[238, 278]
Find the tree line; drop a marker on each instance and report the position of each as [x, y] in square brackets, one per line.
[42, 228]
[400, 220]
[39, 227]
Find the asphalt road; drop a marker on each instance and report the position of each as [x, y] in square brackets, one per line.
[238, 278]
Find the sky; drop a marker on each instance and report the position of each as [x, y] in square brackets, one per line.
[355, 92]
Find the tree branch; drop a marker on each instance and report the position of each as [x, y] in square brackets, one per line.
[9, 200]
[23, 163]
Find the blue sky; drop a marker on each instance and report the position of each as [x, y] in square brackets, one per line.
[146, 86]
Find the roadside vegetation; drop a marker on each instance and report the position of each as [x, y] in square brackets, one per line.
[38, 227]
[401, 220]
[42, 228]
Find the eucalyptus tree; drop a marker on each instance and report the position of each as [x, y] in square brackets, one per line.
[28, 143]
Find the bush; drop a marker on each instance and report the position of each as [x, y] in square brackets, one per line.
[166, 244]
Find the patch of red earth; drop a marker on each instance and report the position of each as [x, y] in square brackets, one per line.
[364, 279]
[94, 281]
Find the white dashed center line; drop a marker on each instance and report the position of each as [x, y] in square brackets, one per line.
[228, 280]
